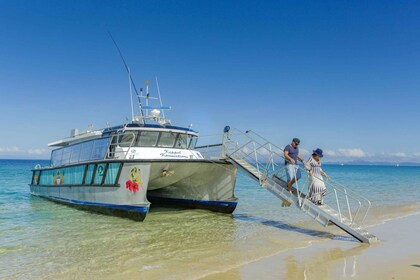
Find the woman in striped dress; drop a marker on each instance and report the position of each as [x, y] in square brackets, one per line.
[317, 188]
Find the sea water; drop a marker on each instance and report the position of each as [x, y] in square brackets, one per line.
[42, 239]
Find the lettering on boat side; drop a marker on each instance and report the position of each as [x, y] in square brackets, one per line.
[172, 154]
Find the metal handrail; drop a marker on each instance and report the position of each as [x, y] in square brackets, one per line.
[117, 143]
[336, 188]
[263, 158]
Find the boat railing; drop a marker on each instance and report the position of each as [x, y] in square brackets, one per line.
[210, 146]
[115, 151]
[267, 160]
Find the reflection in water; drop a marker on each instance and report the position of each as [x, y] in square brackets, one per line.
[353, 270]
[289, 227]
[317, 266]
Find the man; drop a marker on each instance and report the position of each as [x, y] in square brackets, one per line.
[291, 156]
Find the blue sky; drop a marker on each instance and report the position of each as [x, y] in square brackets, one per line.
[340, 75]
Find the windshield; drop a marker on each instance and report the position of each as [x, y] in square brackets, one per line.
[163, 139]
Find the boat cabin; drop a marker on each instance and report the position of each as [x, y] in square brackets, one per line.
[126, 142]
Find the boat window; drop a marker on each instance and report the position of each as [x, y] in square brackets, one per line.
[99, 148]
[99, 173]
[56, 157]
[167, 139]
[112, 145]
[72, 175]
[86, 150]
[75, 153]
[112, 173]
[35, 177]
[127, 138]
[193, 142]
[182, 141]
[66, 156]
[47, 177]
[147, 139]
[89, 174]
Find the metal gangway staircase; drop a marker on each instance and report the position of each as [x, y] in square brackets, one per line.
[262, 161]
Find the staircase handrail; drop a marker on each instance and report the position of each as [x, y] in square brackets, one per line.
[360, 200]
[341, 189]
[247, 134]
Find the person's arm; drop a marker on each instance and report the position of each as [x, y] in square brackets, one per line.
[324, 174]
[308, 166]
[287, 157]
[300, 158]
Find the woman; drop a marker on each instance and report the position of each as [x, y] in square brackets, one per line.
[317, 187]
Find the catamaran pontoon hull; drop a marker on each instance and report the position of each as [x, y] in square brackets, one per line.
[124, 188]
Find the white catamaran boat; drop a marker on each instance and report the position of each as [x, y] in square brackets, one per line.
[120, 170]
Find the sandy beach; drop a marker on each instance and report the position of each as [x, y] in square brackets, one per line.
[396, 256]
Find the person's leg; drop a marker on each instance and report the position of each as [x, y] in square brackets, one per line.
[291, 176]
[290, 184]
[297, 174]
[323, 192]
[319, 189]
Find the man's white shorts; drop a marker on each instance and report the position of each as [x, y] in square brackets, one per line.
[292, 170]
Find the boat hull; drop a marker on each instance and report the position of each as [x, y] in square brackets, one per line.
[205, 185]
[192, 184]
[136, 213]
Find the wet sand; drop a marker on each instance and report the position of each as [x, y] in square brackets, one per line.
[396, 256]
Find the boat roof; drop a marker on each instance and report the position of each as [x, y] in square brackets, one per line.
[89, 135]
[136, 126]
[84, 136]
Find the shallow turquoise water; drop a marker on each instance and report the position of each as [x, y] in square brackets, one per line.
[41, 239]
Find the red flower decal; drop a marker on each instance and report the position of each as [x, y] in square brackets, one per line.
[132, 186]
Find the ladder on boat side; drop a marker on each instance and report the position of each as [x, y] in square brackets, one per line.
[257, 156]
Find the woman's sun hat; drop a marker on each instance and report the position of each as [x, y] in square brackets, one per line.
[318, 152]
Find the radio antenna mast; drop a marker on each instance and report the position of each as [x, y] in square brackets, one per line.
[131, 95]
[160, 99]
[128, 71]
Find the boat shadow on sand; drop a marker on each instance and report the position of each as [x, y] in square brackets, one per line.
[289, 227]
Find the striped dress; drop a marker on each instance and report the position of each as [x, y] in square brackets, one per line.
[317, 187]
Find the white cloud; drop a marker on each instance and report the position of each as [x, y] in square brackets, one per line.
[349, 154]
[16, 152]
[9, 149]
[399, 154]
[355, 153]
[330, 153]
[346, 153]
[37, 151]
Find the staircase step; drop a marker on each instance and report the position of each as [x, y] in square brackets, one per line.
[323, 214]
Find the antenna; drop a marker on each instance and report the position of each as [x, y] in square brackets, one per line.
[160, 99]
[131, 95]
[128, 71]
[147, 96]
[139, 101]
